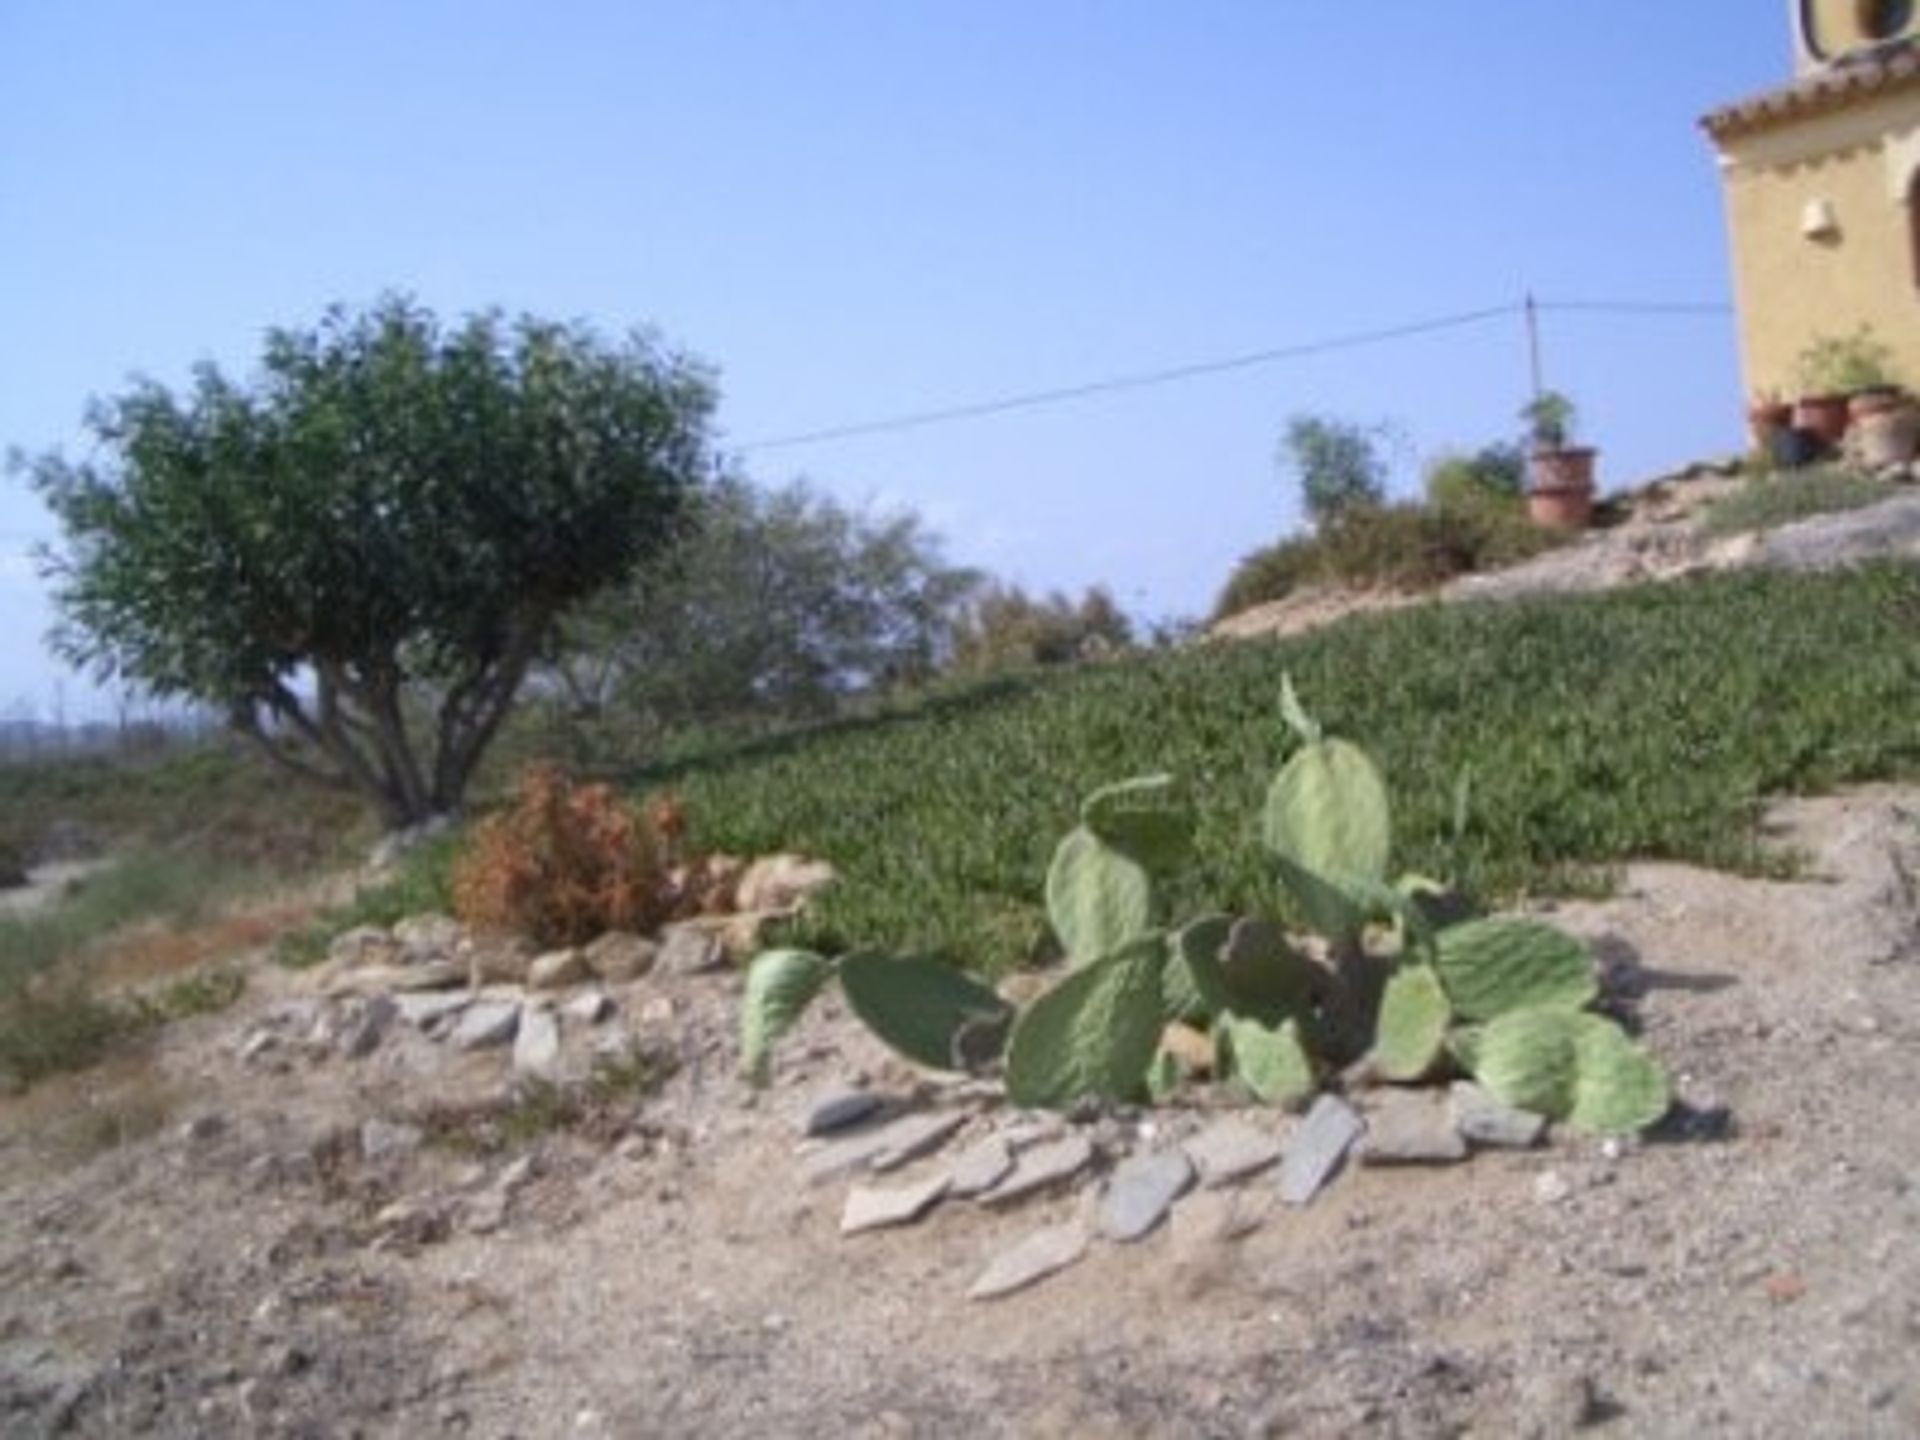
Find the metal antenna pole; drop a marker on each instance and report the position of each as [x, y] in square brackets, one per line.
[1533, 345]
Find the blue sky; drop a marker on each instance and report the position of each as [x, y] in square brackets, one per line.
[862, 208]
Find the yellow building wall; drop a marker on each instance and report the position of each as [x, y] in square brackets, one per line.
[1792, 289]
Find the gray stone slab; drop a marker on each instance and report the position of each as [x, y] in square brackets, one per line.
[838, 1108]
[1410, 1127]
[1491, 1124]
[1229, 1150]
[872, 1208]
[486, 1023]
[884, 1146]
[1039, 1255]
[536, 1044]
[1041, 1168]
[1140, 1192]
[980, 1167]
[424, 1011]
[589, 1007]
[1315, 1150]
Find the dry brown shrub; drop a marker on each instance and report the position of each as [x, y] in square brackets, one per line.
[567, 862]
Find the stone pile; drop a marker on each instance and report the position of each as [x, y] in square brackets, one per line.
[1209, 1177]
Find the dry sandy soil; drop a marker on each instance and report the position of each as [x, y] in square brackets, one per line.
[194, 1243]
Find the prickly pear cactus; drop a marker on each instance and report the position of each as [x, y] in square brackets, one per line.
[1266, 978]
[1193, 985]
[1328, 824]
[1412, 1027]
[1149, 819]
[1572, 1066]
[1489, 967]
[1094, 1033]
[1098, 898]
[929, 1012]
[780, 986]
[1271, 1061]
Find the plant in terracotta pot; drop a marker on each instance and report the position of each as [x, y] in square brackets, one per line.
[1842, 377]
[1561, 494]
[1767, 416]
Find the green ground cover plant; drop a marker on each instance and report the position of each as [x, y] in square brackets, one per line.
[1645, 722]
[1774, 499]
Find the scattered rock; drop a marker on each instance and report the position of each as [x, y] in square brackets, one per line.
[1141, 1191]
[979, 1168]
[1409, 1127]
[363, 945]
[496, 960]
[365, 1029]
[427, 1010]
[486, 1023]
[1229, 1150]
[388, 1139]
[427, 936]
[1491, 1124]
[658, 1010]
[1213, 1217]
[1316, 1149]
[1041, 1168]
[620, 957]
[781, 882]
[893, 1142]
[690, 950]
[536, 1044]
[558, 969]
[256, 1044]
[1034, 1258]
[838, 1109]
[209, 1125]
[590, 1007]
[868, 1208]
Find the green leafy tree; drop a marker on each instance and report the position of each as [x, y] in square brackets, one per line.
[358, 556]
[1337, 463]
[777, 604]
[1005, 628]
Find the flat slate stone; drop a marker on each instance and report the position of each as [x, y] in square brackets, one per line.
[979, 1168]
[1141, 1191]
[422, 1011]
[869, 1208]
[1040, 1168]
[1229, 1150]
[487, 1023]
[884, 1146]
[837, 1109]
[589, 1007]
[536, 1044]
[1316, 1149]
[1034, 1258]
[1410, 1128]
[1492, 1124]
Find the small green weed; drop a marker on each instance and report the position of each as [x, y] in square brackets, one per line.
[1788, 495]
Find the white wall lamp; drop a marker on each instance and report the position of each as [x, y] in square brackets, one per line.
[1818, 223]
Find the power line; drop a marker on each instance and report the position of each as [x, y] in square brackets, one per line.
[1035, 399]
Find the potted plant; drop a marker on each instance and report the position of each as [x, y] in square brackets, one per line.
[1561, 495]
[1767, 416]
[1834, 372]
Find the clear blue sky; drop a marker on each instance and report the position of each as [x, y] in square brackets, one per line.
[859, 208]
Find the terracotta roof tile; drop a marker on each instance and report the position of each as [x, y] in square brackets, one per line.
[1890, 67]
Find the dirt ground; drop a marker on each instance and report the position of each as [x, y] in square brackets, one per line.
[197, 1242]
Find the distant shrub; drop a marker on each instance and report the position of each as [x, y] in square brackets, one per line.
[565, 863]
[1494, 474]
[1006, 629]
[1338, 465]
[1788, 495]
[1271, 573]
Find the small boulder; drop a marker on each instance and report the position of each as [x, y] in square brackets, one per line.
[589, 1007]
[558, 969]
[1316, 1150]
[1410, 1128]
[427, 936]
[1140, 1192]
[1230, 1150]
[1491, 1124]
[536, 1044]
[690, 950]
[363, 945]
[486, 1023]
[366, 1026]
[620, 957]
[496, 960]
[1041, 1168]
[782, 882]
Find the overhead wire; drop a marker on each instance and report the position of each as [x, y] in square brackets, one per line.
[1360, 339]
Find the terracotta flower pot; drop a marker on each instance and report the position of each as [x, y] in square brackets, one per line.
[1824, 415]
[1561, 496]
[1886, 434]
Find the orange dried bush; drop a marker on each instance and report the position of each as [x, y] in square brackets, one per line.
[567, 862]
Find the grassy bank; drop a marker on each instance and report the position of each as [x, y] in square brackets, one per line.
[1645, 722]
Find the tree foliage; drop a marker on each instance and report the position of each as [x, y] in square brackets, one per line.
[359, 555]
[1005, 628]
[777, 604]
[1337, 463]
